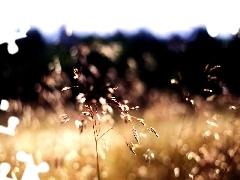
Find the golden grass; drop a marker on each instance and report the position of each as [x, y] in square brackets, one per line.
[202, 145]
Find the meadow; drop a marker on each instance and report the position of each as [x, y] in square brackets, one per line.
[94, 130]
[196, 141]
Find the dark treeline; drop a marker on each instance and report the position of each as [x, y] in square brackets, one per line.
[176, 57]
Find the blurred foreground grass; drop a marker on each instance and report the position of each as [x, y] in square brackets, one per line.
[195, 142]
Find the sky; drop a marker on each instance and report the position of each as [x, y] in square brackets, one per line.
[160, 17]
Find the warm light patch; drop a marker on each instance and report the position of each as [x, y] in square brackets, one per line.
[10, 129]
[4, 170]
[4, 105]
[31, 171]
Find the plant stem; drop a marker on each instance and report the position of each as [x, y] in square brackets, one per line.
[97, 158]
[229, 163]
[96, 138]
[176, 147]
[106, 131]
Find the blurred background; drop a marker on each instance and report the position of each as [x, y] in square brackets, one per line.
[147, 42]
[176, 61]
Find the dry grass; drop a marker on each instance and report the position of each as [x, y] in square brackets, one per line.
[201, 145]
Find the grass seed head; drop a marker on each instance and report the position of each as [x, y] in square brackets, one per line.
[65, 118]
[131, 147]
[135, 133]
[151, 129]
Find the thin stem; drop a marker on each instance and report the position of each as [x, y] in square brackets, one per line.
[175, 149]
[96, 138]
[97, 158]
[229, 163]
[114, 125]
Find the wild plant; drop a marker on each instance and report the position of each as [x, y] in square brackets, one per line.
[101, 105]
[209, 156]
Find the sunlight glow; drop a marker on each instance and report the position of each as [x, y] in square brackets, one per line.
[4, 105]
[4, 170]
[162, 18]
[12, 48]
[31, 171]
[12, 124]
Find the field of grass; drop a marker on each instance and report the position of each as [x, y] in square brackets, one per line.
[199, 141]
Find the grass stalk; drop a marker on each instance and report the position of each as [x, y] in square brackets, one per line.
[175, 148]
[97, 156]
